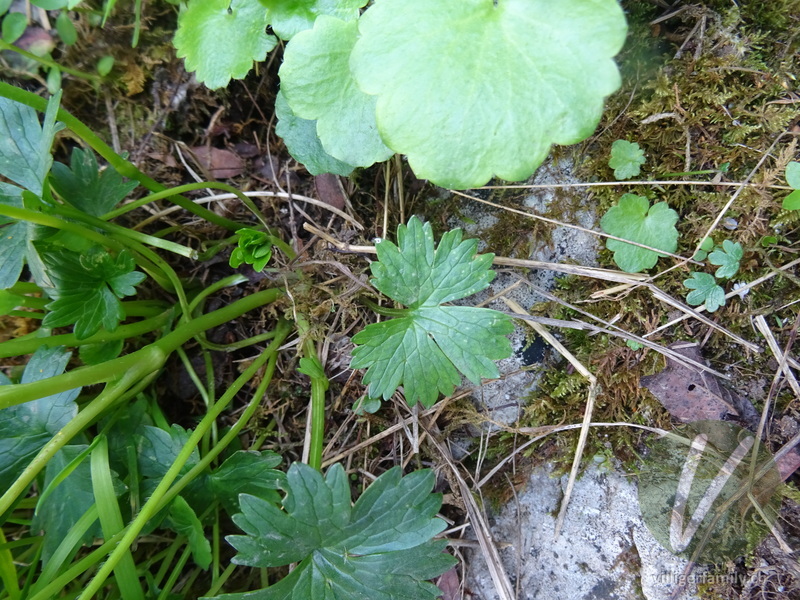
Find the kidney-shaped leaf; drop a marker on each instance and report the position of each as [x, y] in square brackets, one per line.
[469, 89]
[289, 17]
[318, 85]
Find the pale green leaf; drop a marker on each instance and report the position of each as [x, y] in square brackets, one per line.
[704, 290]
[471, 89]
[220, 39]
[793, 175]
[727, 258]
[289, 17]
[428, 345]
[626, 158]
[792, 201]
[66, 29]
[14, 25]
[303, 143]
[318, 85]
[633, 219]
[378, 548]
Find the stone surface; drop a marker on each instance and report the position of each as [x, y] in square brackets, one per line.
[604, 550]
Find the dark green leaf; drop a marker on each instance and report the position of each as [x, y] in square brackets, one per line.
[88, 287]
[56, 514]
[25, 428]
[86, 188]
[727, 258]
[250, 473]
[303, 143]
[183, 520]
[25, 144]
[378, 548]
[94, 354]
[429, 344]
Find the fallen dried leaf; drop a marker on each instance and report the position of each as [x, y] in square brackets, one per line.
[218, 162]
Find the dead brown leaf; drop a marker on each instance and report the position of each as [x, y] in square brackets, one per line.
[218, 162]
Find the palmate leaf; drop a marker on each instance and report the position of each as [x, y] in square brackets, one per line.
[633, 219]
[85, 187]
[426, 347]
[88, 287]
[377, 549]
[220, 39]
[727, 258]
[704, 290]
[470, 89]
[318, 85]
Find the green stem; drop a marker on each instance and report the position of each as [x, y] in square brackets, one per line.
[149, 358]
[49, 62]
[154, 502]
[122, 166]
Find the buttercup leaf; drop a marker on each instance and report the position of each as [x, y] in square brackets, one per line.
[220, 39]
[633, 219]
[317, 83]
[426, 347]
[378, 548]
[471, 89]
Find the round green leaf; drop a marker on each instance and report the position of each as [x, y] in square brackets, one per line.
[469, 89]
[300, 137]
[14, 25]
[220, 39]
[318, 85]
[290, 17]
[105, 64]
[793, 175]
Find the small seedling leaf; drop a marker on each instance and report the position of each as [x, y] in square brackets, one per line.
[471, 89]
[626, 159]
[727, 258]
[378, 548]
[66, 28]
[704, 290]
[428, 345]
[85, 187]
[632, 218]
[25, 428]
[14, 25]
[792, 201]
[88, 288]
[318, 85]
[289, 17]
[220, 39]
[706, 246]
[253, 248]
[303, 143]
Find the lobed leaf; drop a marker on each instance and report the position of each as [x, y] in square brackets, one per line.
[633, 219]
[704, 290]
[471, 89]
[626, 158]
[428, 345]
[727, 258]
[220, 39]
[85, 187]
[290, 17]
[379, 548]
[317, 84]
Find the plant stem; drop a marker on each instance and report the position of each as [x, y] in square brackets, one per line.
[150, 357]
[122, 166]
[154, 502]
[49, 62]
